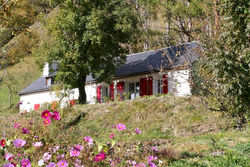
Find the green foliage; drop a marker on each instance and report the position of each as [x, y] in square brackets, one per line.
[224, 72]
[88, 37]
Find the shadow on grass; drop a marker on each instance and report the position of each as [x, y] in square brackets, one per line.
[76, 120]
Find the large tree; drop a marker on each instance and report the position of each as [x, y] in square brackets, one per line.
[88, 37]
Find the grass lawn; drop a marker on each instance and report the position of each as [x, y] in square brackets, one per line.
[24, 73]
[186, 133]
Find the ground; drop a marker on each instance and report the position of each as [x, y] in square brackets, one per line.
[186, 133]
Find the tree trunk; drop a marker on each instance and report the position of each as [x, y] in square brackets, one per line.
[82, 93]
[9, 96]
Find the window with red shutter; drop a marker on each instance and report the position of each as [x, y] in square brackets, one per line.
[146, 86]
[120, 89]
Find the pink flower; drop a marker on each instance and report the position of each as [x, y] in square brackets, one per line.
[111, 136]
[46, 114]
[62, 163]
[56, 115]
[78, 147]
[19, 143]
[51, 164]
[38, 144]
[25, 163]
[137, 130]
[8, 157]
[154, 148]
[74, 152]
[88, 139]
[140, 165]
[151, 158]
[8, 165]
[2, 143]
[121, 127]
[46, 156]
[25, 131]
[151, 164]
[47, 121]
[100, 157]
[17, 125]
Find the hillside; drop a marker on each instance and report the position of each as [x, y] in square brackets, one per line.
[186, 133]
[24, 73]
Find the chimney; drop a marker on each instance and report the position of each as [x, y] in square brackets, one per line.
[46, 69]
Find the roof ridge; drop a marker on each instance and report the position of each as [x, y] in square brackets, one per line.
[133, 54]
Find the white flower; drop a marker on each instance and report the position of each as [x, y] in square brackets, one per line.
[160, 162]
[46, 156]
[41, 162]
[38, 144]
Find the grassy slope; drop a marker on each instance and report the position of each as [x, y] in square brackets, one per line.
[182, 126]
[24, 73]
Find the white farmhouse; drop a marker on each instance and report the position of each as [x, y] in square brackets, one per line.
[147, 73]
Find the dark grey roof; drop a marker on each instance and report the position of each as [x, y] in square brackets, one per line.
[140, 63]
[37, 86]
[152, 61]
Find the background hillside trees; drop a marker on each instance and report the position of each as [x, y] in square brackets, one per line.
[223, 73]
[88, 37]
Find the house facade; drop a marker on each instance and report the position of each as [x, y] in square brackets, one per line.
[154, 72]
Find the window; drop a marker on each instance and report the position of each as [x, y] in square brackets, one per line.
[160, 86]
[134, 90]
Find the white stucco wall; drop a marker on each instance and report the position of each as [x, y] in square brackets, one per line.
[178, 82]
[29, 100]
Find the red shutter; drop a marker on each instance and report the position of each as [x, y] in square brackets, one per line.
[146, 86]
[98, 95]
[165, 84]
[120, 89]
[143, 86]
[111, 91]
[120, 86]
[36, 107]
[150, 86]
[72, 102]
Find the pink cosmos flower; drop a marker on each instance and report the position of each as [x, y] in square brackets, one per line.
[47, 121]
[78, 147]
[62, 163]
[8, 165]
[17, 125]
[46, 156]
[46, 114]
[88, 139]
[25, 131]
[140, 165]
[51, 164]
[74, 152]
[151, 158]
[111, 136]
[56, 115]
[121, 127]
[2, 143]
[38, 144]
[137, 130]
[19, 143]
[100, 157]
[25, 163]
[151, 164]
[154, 148]
[8, 157]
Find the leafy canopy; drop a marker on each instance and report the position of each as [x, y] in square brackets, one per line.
[88, 37]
